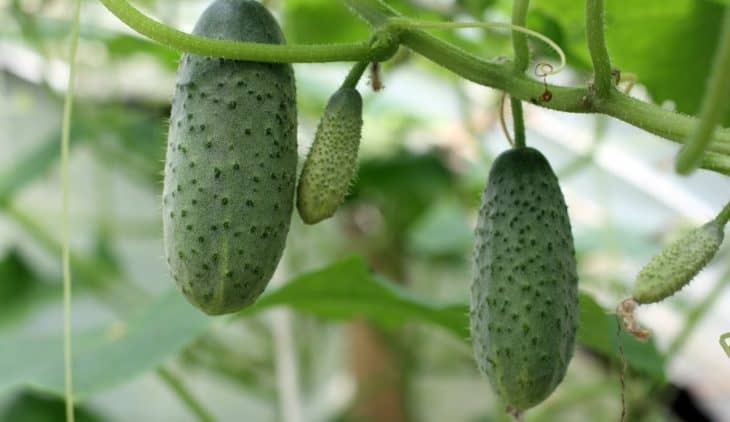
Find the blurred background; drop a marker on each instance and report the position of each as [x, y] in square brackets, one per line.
[334, 341]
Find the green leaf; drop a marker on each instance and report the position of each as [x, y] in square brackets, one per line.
[33, 407]
[669, 44]
[442, 231]
[322, 21]
[348, 289]
[103, 358]
[20, 288]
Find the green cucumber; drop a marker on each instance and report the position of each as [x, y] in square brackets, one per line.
[332, 159]
[230, 169]
[677, 264]
[524, 299]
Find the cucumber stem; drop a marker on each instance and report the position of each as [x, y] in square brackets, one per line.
[355, 74]
[522, 58]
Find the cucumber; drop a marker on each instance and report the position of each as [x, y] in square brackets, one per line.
[230, 170]
[677, 264]
[332, 159]
[524, 299]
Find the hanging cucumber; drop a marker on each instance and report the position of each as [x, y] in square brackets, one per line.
[524, 303]
[230, 168]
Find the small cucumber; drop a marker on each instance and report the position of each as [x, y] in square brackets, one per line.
[524, 299]
[230, 170]
[332, 159]
[677, 264]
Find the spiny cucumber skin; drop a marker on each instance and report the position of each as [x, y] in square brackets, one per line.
[677, 264]
[332, 159]
[524, 299]
[230, 169]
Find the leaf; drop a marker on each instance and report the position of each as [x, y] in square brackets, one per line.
[347, 289]
[103, 358]
[442, 231]
[32, 407]
[322, 21]
[669, 44]
[20, 288]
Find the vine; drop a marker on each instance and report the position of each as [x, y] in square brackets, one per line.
[602, 83]
[65, 252]
[714, 104]
[392, 30]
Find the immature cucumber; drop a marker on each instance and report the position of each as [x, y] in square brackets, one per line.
[231, 163]
[524, 303]
[677, 264]
[331, 162]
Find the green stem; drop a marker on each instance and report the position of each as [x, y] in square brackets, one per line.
[724, 216]
[698, 311]
[716, 162]
[519, 39]
[650, 117]
[602, 83]
[714, 104]
[355, 74]
[315, 53]
[522, 58]
[185, 395]
[65, 255]
[518, 122]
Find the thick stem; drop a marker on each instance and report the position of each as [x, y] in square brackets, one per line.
[315, 53]
[716, 162]
[714, 104]
[522, 58]
[650, 117]
[602, 83]
[519, 39]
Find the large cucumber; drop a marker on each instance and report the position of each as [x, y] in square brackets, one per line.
[524, 303]
[230, 170]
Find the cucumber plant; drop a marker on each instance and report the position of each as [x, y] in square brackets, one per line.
[231, 163]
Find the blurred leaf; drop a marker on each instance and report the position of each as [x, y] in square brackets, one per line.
[476, 8]
[33, 407]
[598, 332]
[40, 32]
[322, 21]
[442, 231]
[347, 289]
[35, 164]
[669, 44]
[103, 358]
[20, 288]
[403, 185]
